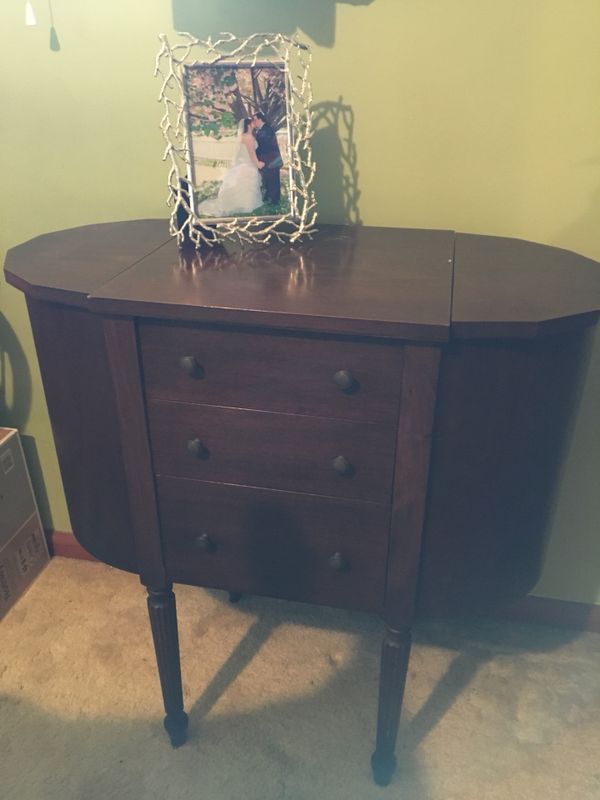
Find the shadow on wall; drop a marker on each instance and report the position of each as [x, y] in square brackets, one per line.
[14, 372]
[15, 404]
[336, 178]
[579, 507]
[336, 181]
[316, 18]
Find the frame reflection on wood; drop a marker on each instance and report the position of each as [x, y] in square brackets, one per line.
[237, 124]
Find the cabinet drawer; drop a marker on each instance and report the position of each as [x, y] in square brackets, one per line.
[273, 372]
[257, 541]
[275, 451]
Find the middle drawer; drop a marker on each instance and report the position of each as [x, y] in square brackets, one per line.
[276, 451]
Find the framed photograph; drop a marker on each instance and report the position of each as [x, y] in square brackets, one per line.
[238, 132]
[238, 138]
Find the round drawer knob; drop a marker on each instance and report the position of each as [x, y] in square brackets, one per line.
[197, 449]
[342, 466]
[204, 544]
[338, 563]
[191, 367]
[345, 380]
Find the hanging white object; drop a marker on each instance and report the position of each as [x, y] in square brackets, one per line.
[29, 15]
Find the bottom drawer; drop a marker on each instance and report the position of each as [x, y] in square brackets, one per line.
[281, 544]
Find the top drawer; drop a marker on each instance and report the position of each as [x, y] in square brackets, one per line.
[272, 372]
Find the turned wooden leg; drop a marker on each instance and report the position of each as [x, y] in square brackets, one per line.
[163, 621]
[394, 664]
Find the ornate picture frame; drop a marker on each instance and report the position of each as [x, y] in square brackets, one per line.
[229, 103]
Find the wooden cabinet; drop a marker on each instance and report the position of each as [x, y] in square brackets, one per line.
[372, 419]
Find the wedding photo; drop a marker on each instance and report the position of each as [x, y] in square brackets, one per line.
[237, 117]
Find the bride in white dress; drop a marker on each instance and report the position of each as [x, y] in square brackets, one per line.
[240, 192]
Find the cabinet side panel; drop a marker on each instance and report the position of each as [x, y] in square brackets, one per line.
[502, 422]
[78, 387]
[413, 446]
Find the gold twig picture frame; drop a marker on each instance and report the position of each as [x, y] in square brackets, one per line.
[237, 124]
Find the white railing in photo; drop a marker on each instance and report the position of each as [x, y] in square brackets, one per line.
[213, 157]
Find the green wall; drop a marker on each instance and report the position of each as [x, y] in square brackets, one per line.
[476, 115]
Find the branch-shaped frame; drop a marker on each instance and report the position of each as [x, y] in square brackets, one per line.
[294, 57]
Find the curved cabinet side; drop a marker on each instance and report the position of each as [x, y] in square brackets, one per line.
[502, 423]
[79, 393]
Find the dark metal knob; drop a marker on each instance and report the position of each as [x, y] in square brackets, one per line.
[342, 466]
[197, 449]
[338, 563]
[204, 544]
[191, 367]
[345, 380]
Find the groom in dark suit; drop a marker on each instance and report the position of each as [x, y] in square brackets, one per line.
[268, 152]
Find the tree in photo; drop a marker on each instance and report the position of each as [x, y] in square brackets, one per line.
[219, 97]
[268, 95]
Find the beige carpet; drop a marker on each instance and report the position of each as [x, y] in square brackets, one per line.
[282, 701]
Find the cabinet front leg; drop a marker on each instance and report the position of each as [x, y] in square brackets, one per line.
[163, 621]
[394, 665]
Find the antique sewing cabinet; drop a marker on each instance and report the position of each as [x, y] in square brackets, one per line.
[371, 420]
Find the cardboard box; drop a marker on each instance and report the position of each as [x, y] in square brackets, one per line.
[23, 547]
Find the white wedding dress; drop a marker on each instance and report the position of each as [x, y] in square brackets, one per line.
[240, 191]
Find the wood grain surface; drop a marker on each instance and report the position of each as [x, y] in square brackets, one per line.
[391, 282]
[513, 288]
[127, 390]
[66, 266]
[272, 371]
[276, 451]
[275, 543]
[363, 281]
[504, 415]
[78, 387]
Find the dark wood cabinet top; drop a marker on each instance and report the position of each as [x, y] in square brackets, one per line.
[372, 281]
[66, 266]
[423, 285]
[510, 287]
